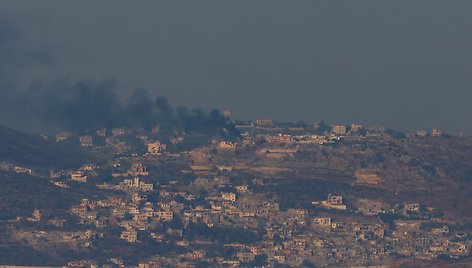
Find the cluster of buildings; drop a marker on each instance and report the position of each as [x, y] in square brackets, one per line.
[9, 167]
[195, 214]
[334, 232]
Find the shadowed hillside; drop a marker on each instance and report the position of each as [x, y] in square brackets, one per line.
[34, 151]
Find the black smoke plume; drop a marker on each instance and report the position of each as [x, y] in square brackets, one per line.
[85, 106]
[82, 106]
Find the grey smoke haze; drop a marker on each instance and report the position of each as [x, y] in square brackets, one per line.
[84, 105]
[405, 64]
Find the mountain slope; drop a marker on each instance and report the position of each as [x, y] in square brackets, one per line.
[34, 151]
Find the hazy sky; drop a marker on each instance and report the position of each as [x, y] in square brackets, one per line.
[404, 64]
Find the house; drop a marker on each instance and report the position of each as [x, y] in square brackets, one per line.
[164, 215]
[356, 127]
[158, 237]
[156, 148]
[245, 256]
[256, 250]
[117, 132]
[440, 230]
[436, 133]
[82, 208]
[231, 263]
[229, 196]
[242, 188]
[56, 174]
[101, 223]
[23, 170]
[88, 167]
[136, 198]
[378, 129]
[280, 138]
[136, 182]
[101, 132]
[78, 176]
[333, 202]
[264, 123]
[194, 255]
[335, 199]
[61, 184]
[146, 187]
[82, 263]
[246, 214]
[280, 258]
[322, 221]
[36, 215]
[166, 194]
[408, 225]
[228, 145]
[63, 136]
[224, 168]
[138, 169]
[411, 207]
[131, 236]
[371, 207]
[421, 133]
[86, 141]
[339, 129]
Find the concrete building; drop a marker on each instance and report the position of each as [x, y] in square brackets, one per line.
[339, 129]
[86, 141]
[356, 127]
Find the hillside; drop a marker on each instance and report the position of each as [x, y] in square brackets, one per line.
[364, 194]
[34, 151]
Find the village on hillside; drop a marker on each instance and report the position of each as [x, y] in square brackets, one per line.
[277, 195]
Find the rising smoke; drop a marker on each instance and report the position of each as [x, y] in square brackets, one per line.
[81, 106]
